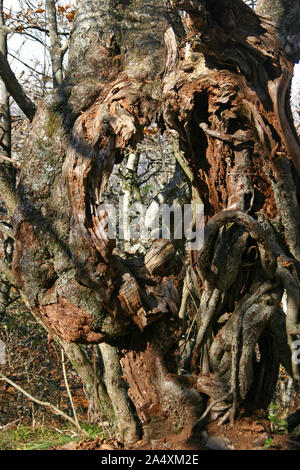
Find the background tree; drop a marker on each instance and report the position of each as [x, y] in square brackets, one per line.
[221, 96]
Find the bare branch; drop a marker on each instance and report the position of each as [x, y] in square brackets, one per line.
[67, 385]
[27, 65]
[15, 89]
[56, 52]
[10, 160]
[53, 408]
[65, 46]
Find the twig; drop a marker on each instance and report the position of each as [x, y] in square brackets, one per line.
[67, 386]
[66, 432]
[10, 424]
[10, 160]
[53, 408]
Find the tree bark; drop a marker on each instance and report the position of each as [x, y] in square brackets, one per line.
[15, 89]
[56, 52]
[218, 85]
[127, 424]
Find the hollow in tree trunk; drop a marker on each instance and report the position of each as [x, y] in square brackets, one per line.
[216, 81]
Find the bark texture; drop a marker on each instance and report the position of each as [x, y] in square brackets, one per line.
[218, 83]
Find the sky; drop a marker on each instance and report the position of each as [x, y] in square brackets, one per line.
[296, 82]
[29, 51]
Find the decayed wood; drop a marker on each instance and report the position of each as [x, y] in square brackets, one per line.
[221, 94]
[136, 371]
[159, 256]
[159, 396]
[234, 173]
[70, 322]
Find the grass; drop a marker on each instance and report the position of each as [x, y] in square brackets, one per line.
[278, 424]
[25, 437]
[268, 443]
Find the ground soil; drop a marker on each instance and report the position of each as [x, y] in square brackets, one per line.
[248, 433]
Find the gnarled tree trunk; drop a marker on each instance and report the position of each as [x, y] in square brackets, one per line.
[216, 80]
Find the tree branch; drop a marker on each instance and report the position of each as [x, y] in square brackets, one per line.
[15, 89]
[56, 52]
[53, 408]
[8, 193]
[67, 385]
[10, 160]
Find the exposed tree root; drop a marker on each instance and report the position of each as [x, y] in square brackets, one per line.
[232, 346]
